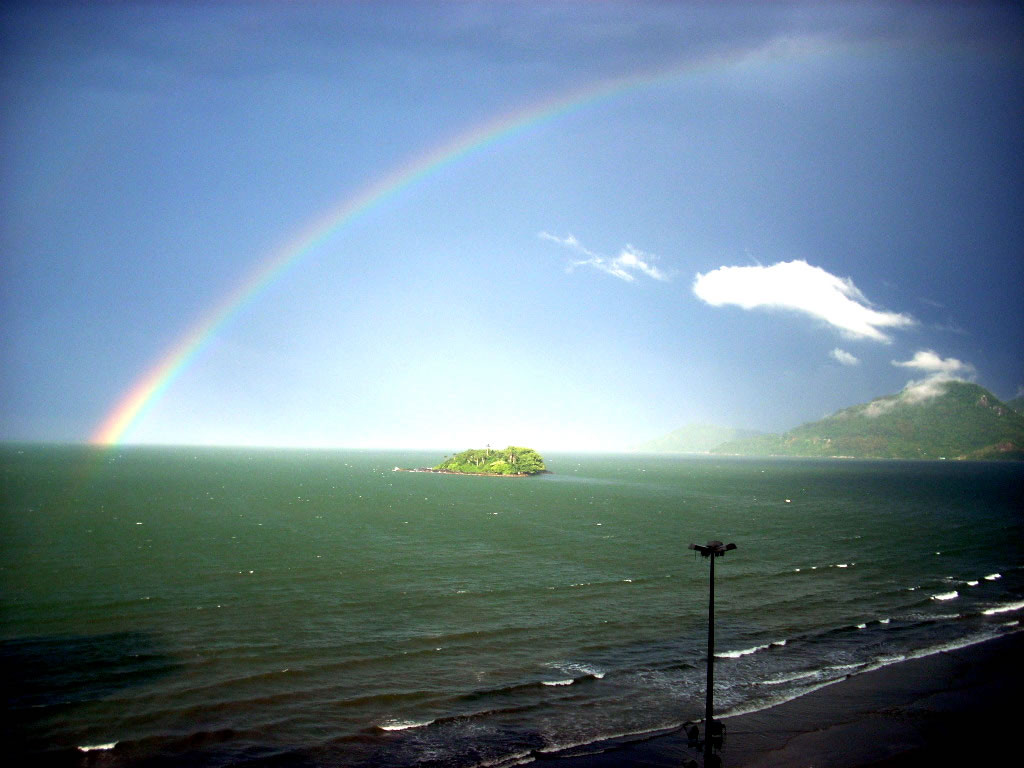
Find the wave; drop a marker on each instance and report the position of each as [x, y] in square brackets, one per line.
[579, 671]
[791, 678]
[823, 567]
[1005, 608]
[951, 645]
[523, 757]
[735, 654]
[97, 747]
[587, 674]
[402, 725]
[599, 583]
[603, 744]
[742, 652]
[847, 670]
[946, 595]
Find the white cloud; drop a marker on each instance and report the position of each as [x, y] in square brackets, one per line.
[798, 286]
[913, 393]
[624, 266]
[844, 357]
[878, 407]
[924, 389]
[930, 362]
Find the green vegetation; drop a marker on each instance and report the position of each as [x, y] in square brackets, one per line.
[513, 460]
[959, 421]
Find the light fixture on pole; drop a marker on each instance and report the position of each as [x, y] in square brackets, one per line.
[712, 730]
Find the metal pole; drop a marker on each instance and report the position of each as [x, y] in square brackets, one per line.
[712, 735]
[709, 707]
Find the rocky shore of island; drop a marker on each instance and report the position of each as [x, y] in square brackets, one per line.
[434, 471]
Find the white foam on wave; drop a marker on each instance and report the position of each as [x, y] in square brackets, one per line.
[569, 681]
[506, 761]
[1004, 608]
[856, 669]
[952, 645]
[743, 652]
[577, 670]
[993, 576]
[402, 725]
[972, 583]
[885, 661]
[97, 747]
[564, 746]
[946, 595]
[791, 678]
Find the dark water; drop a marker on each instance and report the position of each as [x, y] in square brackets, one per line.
[219, 607]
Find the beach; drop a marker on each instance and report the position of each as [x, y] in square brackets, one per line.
[927, 711]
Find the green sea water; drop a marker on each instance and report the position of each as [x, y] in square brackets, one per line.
[212, 606]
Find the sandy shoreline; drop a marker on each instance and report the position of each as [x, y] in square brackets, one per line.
[923, 711]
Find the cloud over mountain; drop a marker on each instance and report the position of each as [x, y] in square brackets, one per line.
[930, 362]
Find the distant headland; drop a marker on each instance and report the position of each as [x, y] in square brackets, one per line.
[513, 461]
[944, 419]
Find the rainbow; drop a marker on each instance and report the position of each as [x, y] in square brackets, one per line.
[148, 389]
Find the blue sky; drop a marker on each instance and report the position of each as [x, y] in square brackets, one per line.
[814, 205]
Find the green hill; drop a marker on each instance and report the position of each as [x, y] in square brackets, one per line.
[1017, 404]
[695, 438]
[930, 420]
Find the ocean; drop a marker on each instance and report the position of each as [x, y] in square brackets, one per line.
[214, 607]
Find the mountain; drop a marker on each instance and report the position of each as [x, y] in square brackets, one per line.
[927, 420]
[1017, 404]
[695, 438]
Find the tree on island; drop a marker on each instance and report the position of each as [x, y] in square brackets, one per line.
[513, 460]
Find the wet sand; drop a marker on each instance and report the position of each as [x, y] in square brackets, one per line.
[921, 712]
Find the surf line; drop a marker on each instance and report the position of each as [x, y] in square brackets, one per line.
[147, 390]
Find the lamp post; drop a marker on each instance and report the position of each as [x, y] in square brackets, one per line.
[711, 550]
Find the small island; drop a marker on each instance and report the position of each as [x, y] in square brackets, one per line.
[513, 461]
